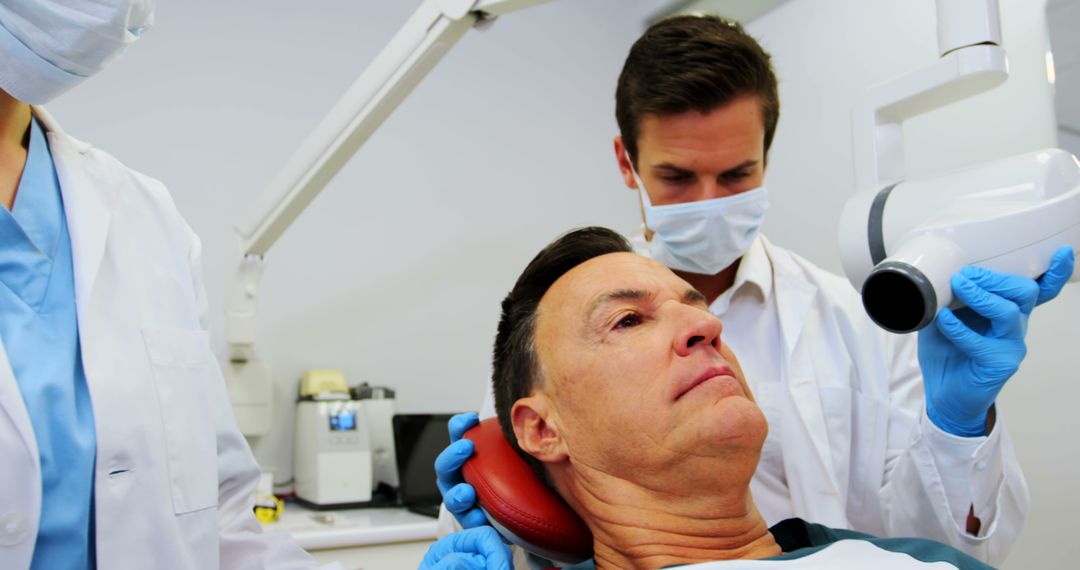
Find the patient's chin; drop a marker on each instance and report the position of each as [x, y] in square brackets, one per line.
[731, 424]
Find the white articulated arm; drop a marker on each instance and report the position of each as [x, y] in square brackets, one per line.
[413, 52]
[972, 61]
[420, 44]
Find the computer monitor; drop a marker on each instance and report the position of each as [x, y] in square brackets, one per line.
[418, 440]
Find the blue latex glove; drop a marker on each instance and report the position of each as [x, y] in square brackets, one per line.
[967, 355]
[458, 496]
[473, 549]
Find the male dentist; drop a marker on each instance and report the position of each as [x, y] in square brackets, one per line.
[885, 434]
[118, 445]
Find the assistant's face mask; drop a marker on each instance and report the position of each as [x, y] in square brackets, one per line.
[49, 46]
[705, 236]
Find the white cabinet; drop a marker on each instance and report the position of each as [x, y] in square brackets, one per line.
[403, 555]
[367, 539]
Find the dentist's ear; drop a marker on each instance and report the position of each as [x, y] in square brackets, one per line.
[625, 168]
[536, 428]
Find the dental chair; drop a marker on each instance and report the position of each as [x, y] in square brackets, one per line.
[524, 510]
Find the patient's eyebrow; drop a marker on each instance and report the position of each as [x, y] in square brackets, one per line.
[694, 297]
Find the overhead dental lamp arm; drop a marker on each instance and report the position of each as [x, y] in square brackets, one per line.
[972, 61]
[412, 53]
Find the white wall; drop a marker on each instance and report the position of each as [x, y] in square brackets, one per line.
[827, 52]
[395, 273]
[1063, 17]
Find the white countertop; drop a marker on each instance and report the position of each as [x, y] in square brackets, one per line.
[318, 530]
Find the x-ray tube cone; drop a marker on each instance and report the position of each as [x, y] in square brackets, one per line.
[902, 293]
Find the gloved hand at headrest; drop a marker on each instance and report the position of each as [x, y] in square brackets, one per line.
[473, 549]
[518, 504]
[458, 496]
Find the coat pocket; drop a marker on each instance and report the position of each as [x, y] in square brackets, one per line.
[182, 369]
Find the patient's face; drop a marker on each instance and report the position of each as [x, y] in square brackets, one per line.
[634, 365]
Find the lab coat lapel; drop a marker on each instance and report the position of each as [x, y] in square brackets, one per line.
[11, 402]
[88, 191]
[814, 480]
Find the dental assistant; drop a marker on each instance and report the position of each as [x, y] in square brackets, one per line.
[118, 445]
[885, 434]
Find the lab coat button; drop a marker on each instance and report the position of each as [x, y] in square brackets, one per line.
[13, 529]
[980, 465]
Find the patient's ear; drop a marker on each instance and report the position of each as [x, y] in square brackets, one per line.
[536, 428]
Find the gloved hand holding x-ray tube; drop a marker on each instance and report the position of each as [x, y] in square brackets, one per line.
[1012, 216]
[908, 245]
[967, 355]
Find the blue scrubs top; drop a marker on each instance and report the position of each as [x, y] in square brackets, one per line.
[39, 330]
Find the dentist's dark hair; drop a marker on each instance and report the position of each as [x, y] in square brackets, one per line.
[693, 63]
[515, 364]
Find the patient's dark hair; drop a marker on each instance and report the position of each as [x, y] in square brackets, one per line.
[516, 370]
[693, 63]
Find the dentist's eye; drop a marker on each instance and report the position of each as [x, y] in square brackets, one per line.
[676, 178]
[628, 321]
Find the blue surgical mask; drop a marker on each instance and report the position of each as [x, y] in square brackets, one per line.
[705, 236]
[48, 46]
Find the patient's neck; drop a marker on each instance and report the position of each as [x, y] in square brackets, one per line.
[643, 525]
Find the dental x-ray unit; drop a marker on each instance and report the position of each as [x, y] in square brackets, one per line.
[902, 240]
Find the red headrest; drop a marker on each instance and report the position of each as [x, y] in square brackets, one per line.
[511, 494]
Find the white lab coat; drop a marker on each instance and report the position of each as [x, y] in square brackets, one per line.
[864, 455]
[174, 479]
[858, 449]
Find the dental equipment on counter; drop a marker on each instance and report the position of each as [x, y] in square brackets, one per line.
[902, 240]
[344, 443]
[332, 448]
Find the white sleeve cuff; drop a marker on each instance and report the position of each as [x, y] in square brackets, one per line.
[971, 471]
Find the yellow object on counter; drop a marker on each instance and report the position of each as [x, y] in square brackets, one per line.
[323, 381]
[268, 509]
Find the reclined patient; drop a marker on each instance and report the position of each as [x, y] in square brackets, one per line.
[613, 381]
